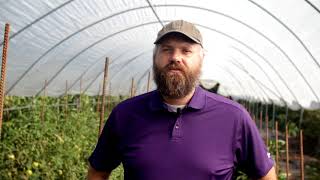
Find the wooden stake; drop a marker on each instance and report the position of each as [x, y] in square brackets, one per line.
[260, 123]
[277, 149]
[287, 152]
[267, 125]
[66, 102]
[132, 88]
[301, 156]
[103, 95]
[33, 98]
[43, 108]
[80, 94]
[273, 115]
[3, 71]
[149, 79]
[267, 130]
[58, 108]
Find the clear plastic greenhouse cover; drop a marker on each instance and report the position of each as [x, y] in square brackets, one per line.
[258, 50]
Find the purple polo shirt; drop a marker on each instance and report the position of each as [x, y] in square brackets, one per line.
[207, 140]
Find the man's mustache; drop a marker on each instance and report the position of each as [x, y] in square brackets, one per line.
[174, 66]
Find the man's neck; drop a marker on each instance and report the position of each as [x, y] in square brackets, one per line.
[180, 101]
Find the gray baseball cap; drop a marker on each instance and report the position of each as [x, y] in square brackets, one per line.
[180, 26]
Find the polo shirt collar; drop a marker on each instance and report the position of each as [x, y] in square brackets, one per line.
[156, 102]
[197, 101]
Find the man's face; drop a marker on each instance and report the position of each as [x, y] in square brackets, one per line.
[177, 65]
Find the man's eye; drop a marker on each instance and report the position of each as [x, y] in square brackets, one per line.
[187, 51]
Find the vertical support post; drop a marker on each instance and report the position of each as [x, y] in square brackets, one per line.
[267, 130]
[132, 88]
[80, 94]
[277, 149]
[58, 108]
[260, 123]
[287, 152]
[149, 81]
[43, 104]
[253, 112]
[267, 126]
[257, 112]
[66, 102]
[301, 117]
[287, 113]
[273, 115]
[3, 71]
[33, 98]
[301, 156]
[249, 108]
[105, 77]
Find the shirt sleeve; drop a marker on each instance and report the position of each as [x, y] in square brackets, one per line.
[251, 152]
[106, 156]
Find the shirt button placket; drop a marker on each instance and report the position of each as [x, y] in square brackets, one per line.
[176, 132]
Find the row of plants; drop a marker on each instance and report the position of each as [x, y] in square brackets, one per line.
[55, 147]
[309, 122]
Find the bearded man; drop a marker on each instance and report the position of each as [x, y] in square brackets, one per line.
[179, 131]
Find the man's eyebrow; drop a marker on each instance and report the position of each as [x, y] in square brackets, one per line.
[165, 45]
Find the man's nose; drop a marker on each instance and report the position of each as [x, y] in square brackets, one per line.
[176, 56]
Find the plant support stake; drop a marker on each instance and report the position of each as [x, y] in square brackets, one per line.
[43, 108]
[260, 123]
[301, 156]
[105, 77]
[132, 88]
[277, 150]
[80, 94]
[267, 130]
[149, 79]
[287, 152]
[3, 71]
[66, 102]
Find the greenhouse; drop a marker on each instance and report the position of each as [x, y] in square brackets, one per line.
[67, 63]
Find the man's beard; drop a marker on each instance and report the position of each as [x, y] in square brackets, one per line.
[175, 84]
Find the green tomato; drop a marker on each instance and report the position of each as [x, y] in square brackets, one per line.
[29, 172]
[60, 172]
[11, 156]
[35, 164]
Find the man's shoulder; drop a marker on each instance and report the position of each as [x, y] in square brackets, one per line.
[216, 100]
